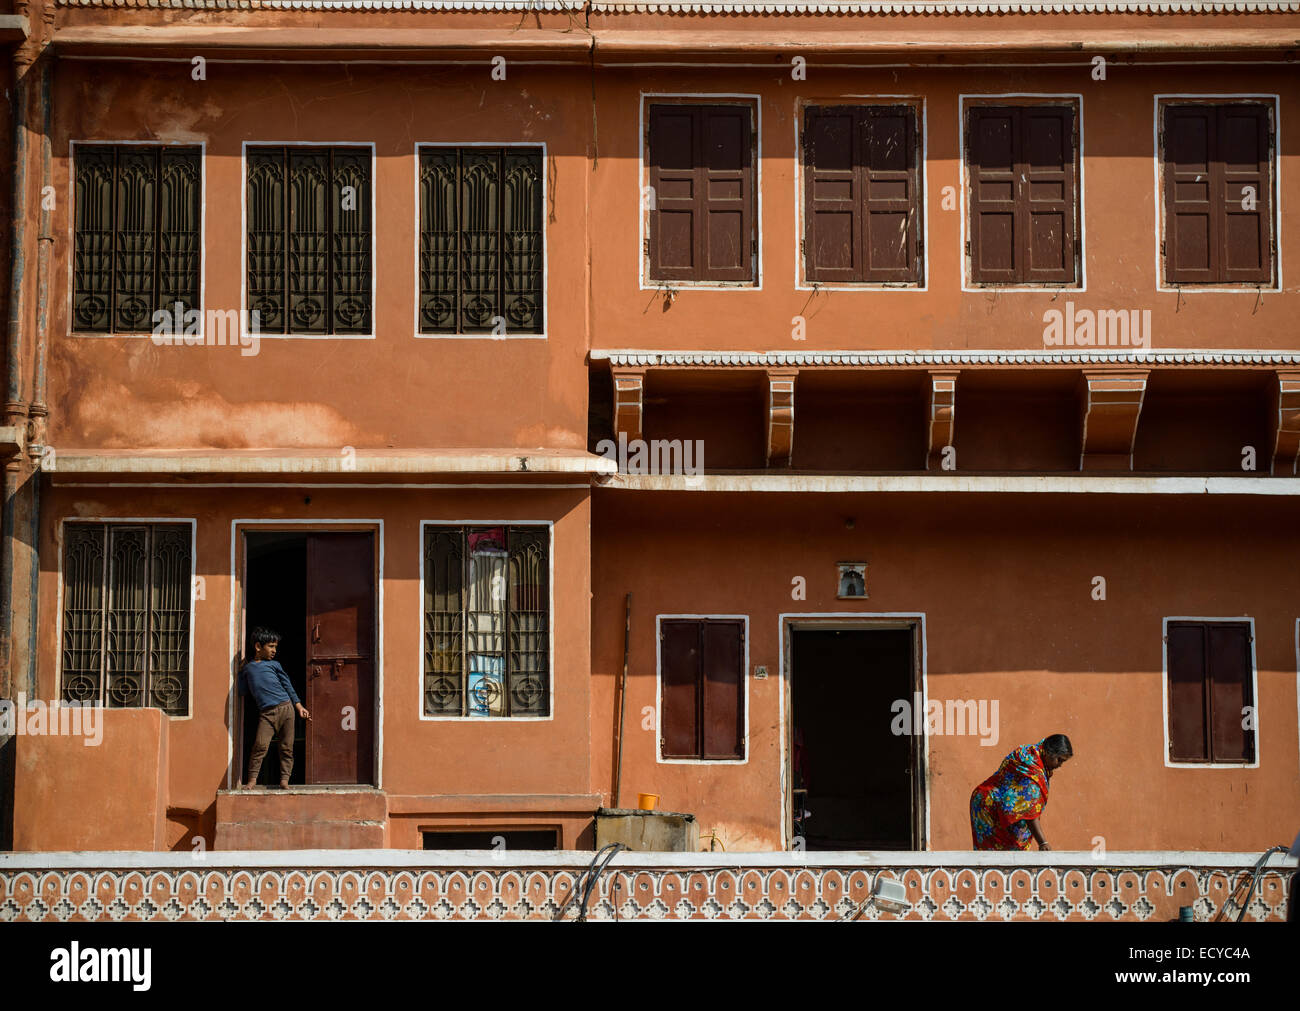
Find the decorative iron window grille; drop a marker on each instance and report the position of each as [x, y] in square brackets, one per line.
[480, 240]
[486, 621]
[309, 232]
[135, 235]
[126, 616]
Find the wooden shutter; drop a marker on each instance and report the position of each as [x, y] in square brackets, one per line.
[1047, 198]
[1244, 142]
[891, 178]
[1230, 692]
[1024, 199]
[1187, 715]
[702, 174]
[1218, 194]
[679, 710]
[862, 202]
[832, 196]
[703, 689]
[992, 145]
[723, 690]
[1191, 243]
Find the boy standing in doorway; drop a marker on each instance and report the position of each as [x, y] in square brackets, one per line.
[273, 694]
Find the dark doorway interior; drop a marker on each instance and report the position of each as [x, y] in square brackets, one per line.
[852, 777]
[277, 599]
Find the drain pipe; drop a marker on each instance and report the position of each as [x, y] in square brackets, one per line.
[15, 413]
[38, 412]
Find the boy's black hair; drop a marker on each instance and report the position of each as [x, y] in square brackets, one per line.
[263, 636]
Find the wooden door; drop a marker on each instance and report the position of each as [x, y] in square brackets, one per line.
[340, 657]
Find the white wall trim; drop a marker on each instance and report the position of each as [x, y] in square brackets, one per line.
[488, 721]
[59, 544]
[787, 622]
[546, 251]
[239, 579]
[659, 681]
[951, 483]
[1157, 168]
[69, 265]
[1164, 692]
[755, 102]
[398, 858]
[243, 242]
[1080, 248]
[918, 104]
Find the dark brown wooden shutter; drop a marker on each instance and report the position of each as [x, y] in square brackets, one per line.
[679, 716]
[1230, 692]
[993, 143]
[1218, 192]
[1024, 200]
[891, 179]
[832, 196]
[702, 174]
[1187, 716]
[728, 184]
[1244, 161]
[1047, 197]
[723, 690]
[1191, 241]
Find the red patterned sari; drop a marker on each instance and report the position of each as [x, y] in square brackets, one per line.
[1002, 806]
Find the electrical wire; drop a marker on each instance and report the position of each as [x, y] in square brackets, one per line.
[1259, 871]
[586, 883]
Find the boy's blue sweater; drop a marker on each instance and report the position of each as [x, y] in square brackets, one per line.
[267, 682]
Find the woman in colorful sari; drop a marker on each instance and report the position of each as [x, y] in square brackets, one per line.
[1004, 809]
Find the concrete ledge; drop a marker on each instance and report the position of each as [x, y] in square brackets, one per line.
[1067, 484]
[317, 461]
[1116, 860]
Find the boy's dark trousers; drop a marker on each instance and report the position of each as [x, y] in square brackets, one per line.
[274, 721]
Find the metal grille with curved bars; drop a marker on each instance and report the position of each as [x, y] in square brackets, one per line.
[480, 240]
[486, 621]
[309, 232]
[135, 235]
[126, 615]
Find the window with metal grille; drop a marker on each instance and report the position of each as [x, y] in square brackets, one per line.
[1022, 178]
[702, 689]
[309, 240]
[701, 163]
[481, 240]
[136, 238]
[862, 194]
[126, 615]
[486, 621]
[1211, 692]
[1218, 194]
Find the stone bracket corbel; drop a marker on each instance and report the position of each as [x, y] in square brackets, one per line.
[1286, 439]
[943, 417]
[629, 394]
[1112, 405]
[780, 416]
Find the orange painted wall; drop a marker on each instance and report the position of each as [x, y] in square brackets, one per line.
[1119, 217]
[73, 795]
[422, 759]
[123, 392]
[1005, 584]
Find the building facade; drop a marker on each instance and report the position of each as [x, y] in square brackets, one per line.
[785, 411]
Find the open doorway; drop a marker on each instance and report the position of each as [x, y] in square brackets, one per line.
[276, 596]
[317, 590]
[854, 784]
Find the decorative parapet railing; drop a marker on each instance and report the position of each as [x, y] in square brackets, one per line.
[404, 884]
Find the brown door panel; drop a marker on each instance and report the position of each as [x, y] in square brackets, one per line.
[340, 657]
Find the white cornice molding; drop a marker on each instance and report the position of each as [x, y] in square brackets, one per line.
[820, 359]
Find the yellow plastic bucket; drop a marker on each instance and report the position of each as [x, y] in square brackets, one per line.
[647, 801]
